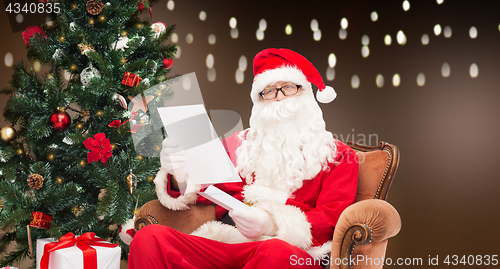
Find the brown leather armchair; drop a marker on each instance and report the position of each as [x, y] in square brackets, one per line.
[362, 230]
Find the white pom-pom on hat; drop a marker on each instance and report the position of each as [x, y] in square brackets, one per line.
[326, 95]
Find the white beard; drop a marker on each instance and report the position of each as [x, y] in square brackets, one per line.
[286, 143]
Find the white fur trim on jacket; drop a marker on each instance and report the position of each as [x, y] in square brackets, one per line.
[284, 73]
[255, 193]
[291, 222]
[319, 252]
[179, 203]
[222, 232]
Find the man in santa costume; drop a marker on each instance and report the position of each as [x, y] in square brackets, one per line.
[297, 178]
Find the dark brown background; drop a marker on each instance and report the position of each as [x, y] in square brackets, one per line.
[447, 186]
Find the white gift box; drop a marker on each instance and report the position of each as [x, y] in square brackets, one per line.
[72, 257]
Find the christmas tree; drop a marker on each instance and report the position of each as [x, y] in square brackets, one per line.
[68, 153]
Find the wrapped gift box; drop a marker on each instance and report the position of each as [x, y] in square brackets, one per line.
[72, 257]
[131, 79]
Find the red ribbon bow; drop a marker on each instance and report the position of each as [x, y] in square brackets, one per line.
[83, 242]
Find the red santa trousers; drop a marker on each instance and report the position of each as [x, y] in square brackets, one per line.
[161, 247]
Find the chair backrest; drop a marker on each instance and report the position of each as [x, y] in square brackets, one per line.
[377, 168]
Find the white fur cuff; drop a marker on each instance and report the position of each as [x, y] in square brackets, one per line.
[292, 223]
[179, 203]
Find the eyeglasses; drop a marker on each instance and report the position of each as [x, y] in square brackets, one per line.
[286, 90]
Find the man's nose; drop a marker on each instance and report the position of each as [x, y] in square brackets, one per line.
[280, 96]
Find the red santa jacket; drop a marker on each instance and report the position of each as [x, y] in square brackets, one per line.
[306, 218]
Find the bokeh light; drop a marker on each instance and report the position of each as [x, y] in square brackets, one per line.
[314, 25]
[473, 32]
[406, 5]
[473, 70]
[401, 37]
[262, 25]
[170, 5]
[332, 60]
[396, 80]
[365, 51]
[232, 22]
[343, 34]
[211, 39]
[437, 29]
[388, 40]
[203, 15]
[421, 79]
[260, 34]
[8, 59]
[344, 23]
[189, 38]
[447, 31]
[374, 16]
[355, 82]
[445, 70]
[425, 39]
[317, 35]
[210, 61]
[379, 80]
[242, 63]
[330, 73]
[365, 40]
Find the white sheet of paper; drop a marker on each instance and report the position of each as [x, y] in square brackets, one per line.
[207, 161]
[223, 199]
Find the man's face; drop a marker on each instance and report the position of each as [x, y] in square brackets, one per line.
[284, 85]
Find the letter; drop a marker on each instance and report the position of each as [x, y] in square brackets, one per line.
[293, 259]
[433, 261]
[353, 261]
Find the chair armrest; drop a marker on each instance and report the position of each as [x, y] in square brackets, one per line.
[366, 222]
[186, 221]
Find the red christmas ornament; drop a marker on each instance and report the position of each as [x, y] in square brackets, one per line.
[60, 121]
[30, 32]
[167, 63]
[40, 220]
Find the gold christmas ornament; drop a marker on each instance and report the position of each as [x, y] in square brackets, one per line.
[85, 47]
[59, 180]
[151, 178]
[35, 181]
[94, 7]
[8, 133]
[131, 182]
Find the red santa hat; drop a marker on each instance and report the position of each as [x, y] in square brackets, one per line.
[272, 65]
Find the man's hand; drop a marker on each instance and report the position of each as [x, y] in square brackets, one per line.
[173, 161]
[254, 222]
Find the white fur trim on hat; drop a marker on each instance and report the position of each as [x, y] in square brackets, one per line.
[326, 95]
[284, 73]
